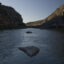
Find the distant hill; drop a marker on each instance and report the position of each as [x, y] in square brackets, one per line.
[9, 18]
[56, 19]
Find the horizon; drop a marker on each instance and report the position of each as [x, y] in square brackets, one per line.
[33, 10]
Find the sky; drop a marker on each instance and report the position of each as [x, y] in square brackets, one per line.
[33, 10]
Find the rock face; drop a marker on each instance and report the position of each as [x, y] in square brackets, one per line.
[9, 18]
[56, 19]
[30, 50]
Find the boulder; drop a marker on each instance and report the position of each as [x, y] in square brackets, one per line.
[30, 50]
[28, 32]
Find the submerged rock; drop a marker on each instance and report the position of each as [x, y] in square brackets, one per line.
[30, 50]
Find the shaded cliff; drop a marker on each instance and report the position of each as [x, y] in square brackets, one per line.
[9, 18]
[56, 19]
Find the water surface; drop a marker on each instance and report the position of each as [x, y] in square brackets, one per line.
[50, 43]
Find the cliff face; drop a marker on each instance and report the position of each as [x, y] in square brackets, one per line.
[56, 19]
[9, 18]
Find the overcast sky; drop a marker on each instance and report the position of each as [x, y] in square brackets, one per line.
[32, 10]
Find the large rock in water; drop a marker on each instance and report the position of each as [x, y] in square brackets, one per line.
[9, 18]
[30, 50]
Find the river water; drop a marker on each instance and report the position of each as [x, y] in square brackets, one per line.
[50, 43]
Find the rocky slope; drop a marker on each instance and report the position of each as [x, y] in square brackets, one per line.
[56, 19]
[9, 18]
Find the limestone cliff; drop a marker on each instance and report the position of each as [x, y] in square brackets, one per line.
[56, 19]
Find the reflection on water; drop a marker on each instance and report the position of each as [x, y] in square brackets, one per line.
[50, 43]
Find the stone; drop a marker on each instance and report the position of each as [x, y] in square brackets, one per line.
[30, 50]
[28, 32]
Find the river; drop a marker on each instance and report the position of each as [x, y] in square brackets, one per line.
[50, 43]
